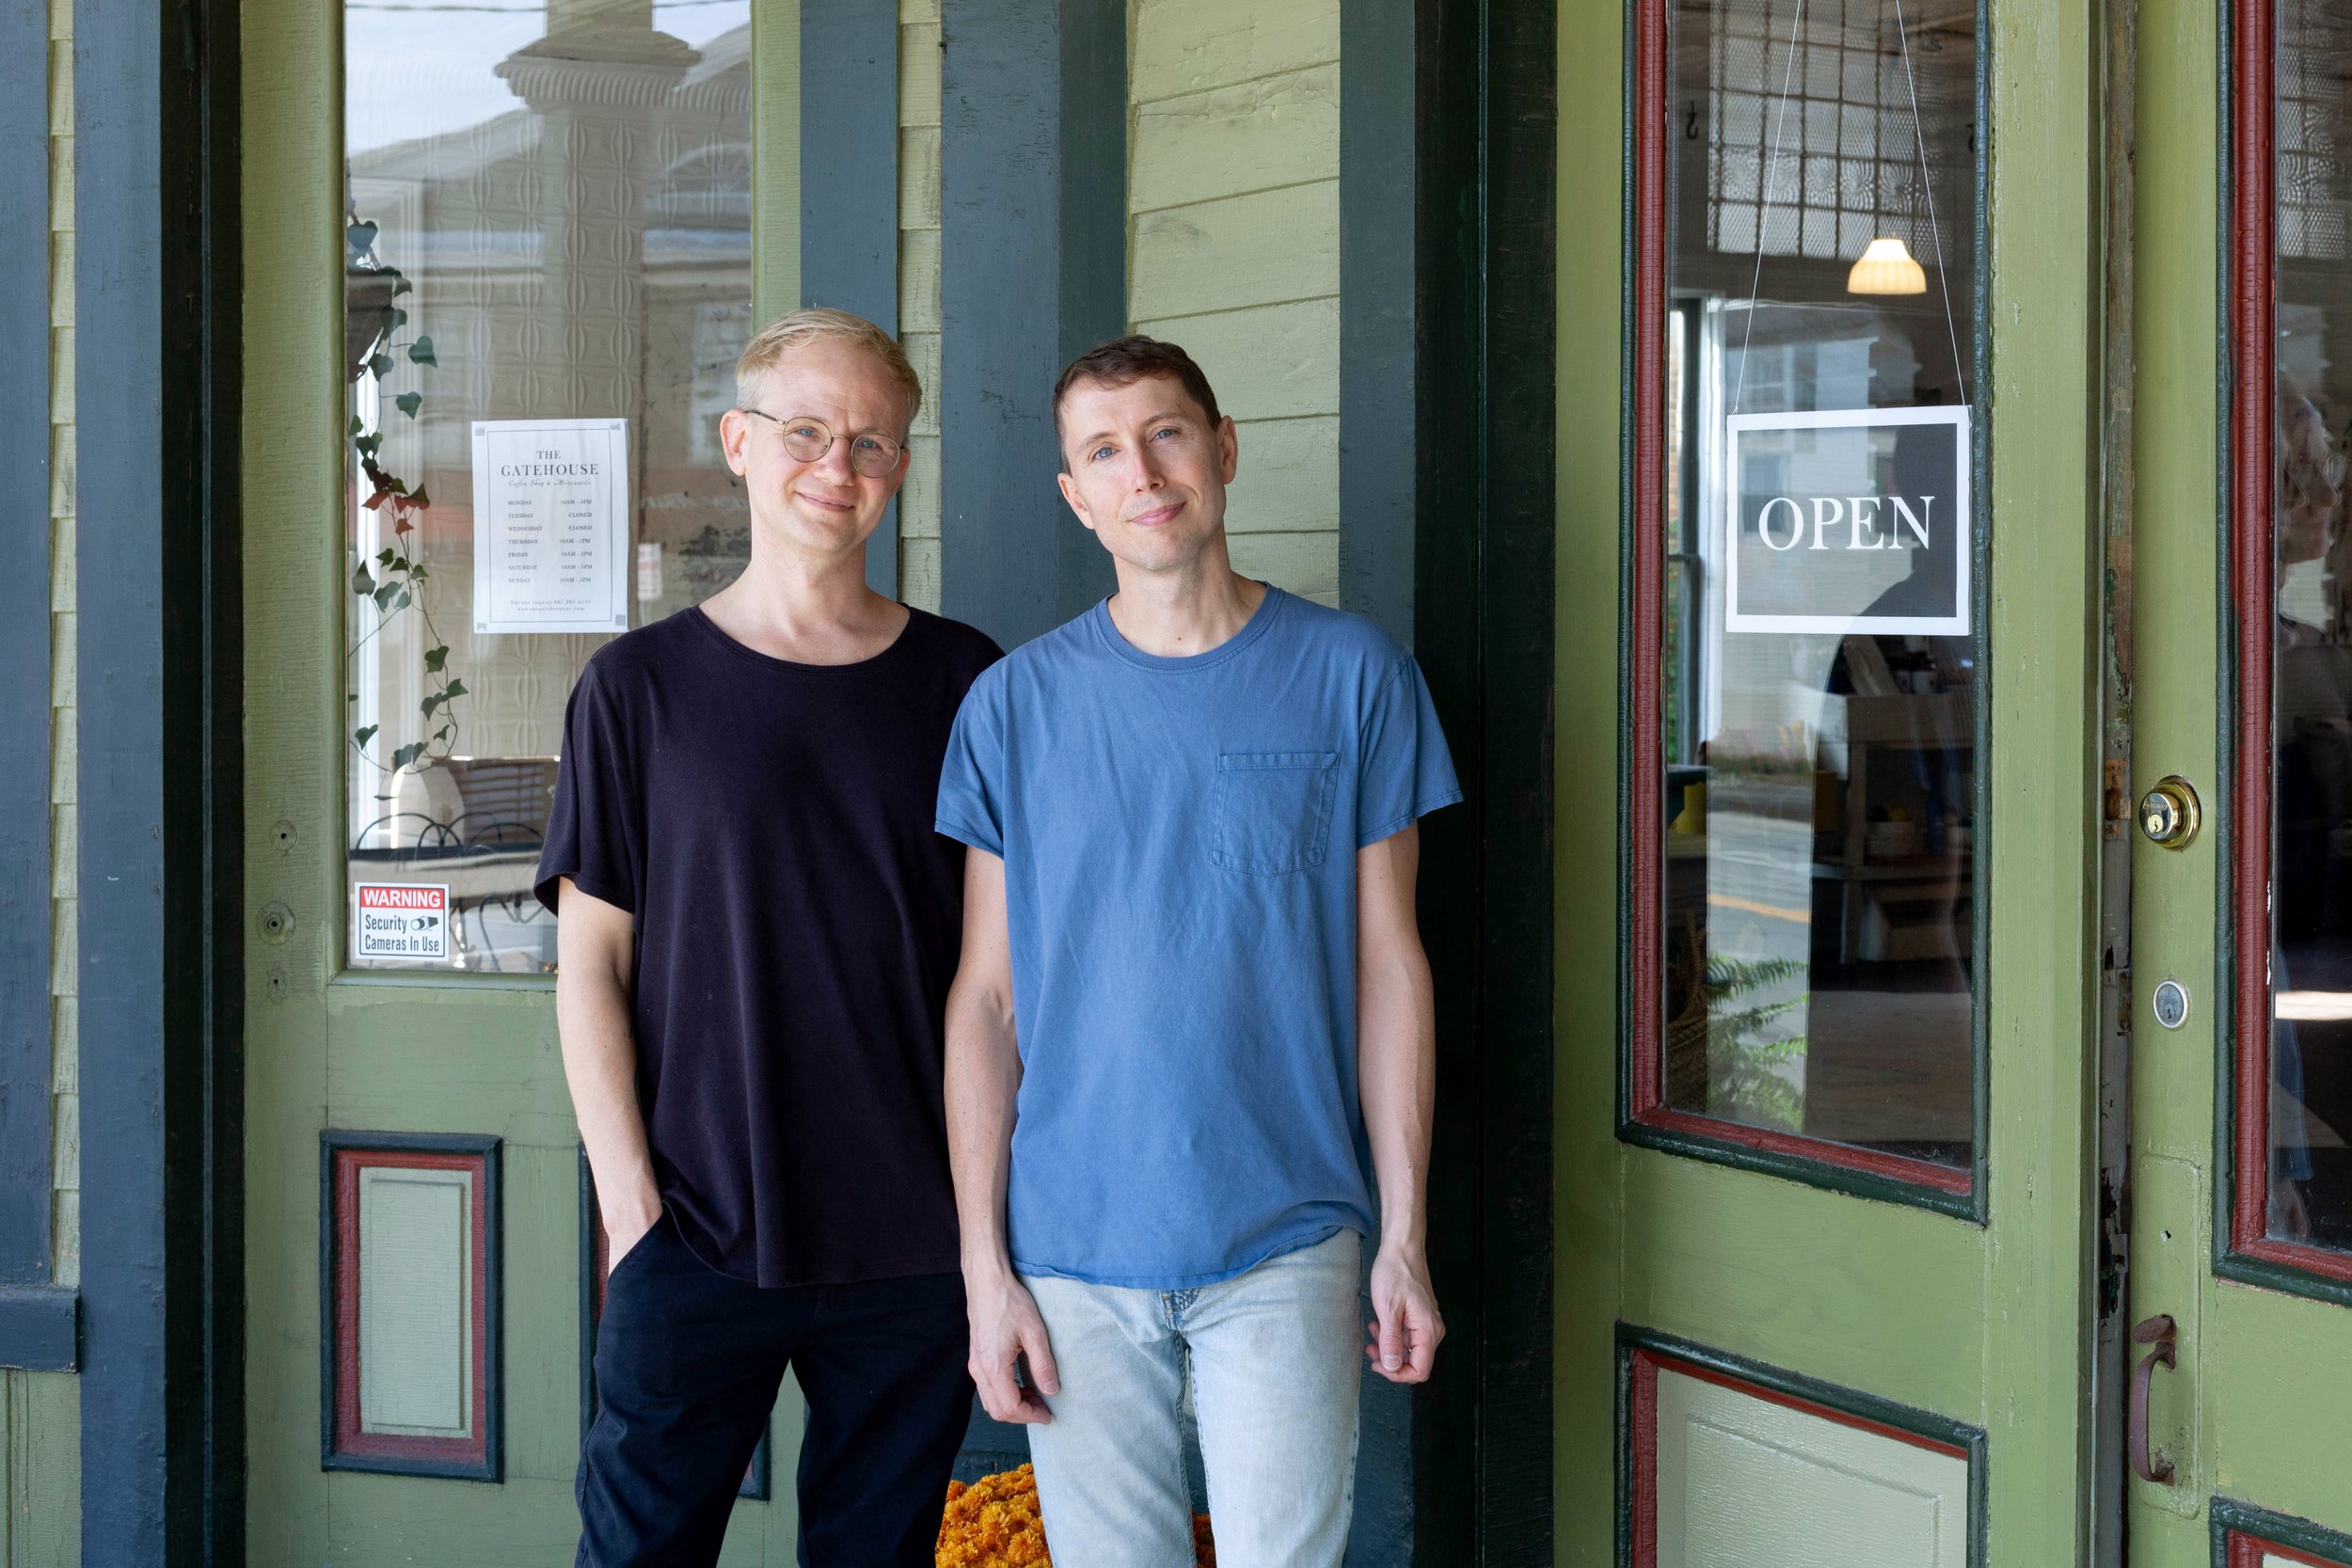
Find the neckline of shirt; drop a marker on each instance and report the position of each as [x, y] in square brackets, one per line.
[1260, 619]
[906, 635]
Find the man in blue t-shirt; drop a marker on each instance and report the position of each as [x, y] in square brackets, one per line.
[1192, 1030]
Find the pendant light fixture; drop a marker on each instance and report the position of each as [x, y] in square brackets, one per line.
[1886, 267]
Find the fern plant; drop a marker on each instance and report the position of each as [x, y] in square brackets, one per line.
[1717, 1053]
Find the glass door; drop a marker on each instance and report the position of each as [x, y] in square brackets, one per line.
[2241, 1213]
[1827, 1254]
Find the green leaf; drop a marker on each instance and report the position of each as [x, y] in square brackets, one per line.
[361, 238]
[400, 288]
[368, 446]
[456, 688]
[401, 602]
[407, 754]
[435, 659]
[380, 363]
[355, 426]
[361, 736]
[385, 556]
[419, 500]
[431, 703]
[400, 317]
[418, 572]
[422, 351]
[441, 734]
[362, 583]
[408, 403]
[384, 592]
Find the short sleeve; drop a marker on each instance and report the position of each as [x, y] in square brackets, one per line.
[972, 781]
[1404, 770]
[595, 831]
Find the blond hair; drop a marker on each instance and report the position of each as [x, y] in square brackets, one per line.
[797, 330]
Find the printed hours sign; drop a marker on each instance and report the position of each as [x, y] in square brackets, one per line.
[551, 525]
[1851, 521]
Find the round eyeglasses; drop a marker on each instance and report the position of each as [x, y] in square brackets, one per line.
[871, 453]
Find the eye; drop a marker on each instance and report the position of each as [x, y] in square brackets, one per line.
[1165, 430]
[868, 443]
[1100, 453]
[806, 432]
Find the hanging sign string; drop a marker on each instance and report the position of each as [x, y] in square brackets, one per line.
[1764, 199]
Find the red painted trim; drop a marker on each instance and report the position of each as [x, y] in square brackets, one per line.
[1646, 1366]
[2296, 1254]
[2252, 436]
[1896, 1167]
[1646, 764]
[349, 1439]
[1644, 1500]
[2247, 1551]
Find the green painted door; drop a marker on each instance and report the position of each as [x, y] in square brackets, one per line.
[2241, 993]
[536, 224]
[1827, 885]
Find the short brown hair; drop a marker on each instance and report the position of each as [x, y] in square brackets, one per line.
[1124, 361]
[819, 324]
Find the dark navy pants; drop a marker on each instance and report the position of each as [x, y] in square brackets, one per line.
[688, 1364]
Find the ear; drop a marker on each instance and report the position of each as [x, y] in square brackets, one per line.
[1070, 494]
[1228, 447]
[735, 428]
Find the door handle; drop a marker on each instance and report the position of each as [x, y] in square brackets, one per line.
[2158, 1333]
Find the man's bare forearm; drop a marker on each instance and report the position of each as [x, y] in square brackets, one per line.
[1397, 1041]
[983, 1069]
[983, 1082]
[593, 1021]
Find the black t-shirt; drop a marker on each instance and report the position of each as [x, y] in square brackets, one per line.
[768, 825]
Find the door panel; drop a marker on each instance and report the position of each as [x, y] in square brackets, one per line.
[1957, 1297]
[2239, 1198]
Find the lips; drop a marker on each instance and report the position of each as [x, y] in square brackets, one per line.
[825, 502]
[1156, 516]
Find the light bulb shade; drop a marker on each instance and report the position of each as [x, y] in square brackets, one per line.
[1886, 268]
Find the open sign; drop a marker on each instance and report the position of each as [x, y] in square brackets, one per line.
[1852, 520]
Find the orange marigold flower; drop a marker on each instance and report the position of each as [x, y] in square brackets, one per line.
[995, 1523]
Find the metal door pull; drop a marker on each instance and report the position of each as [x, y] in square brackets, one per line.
[2157, 1332]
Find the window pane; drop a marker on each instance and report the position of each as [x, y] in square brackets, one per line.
[550, 228]
[1822, 645]
[2311, 1091]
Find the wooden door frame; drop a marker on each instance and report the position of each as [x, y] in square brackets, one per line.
[158, 595]
[1489, 132]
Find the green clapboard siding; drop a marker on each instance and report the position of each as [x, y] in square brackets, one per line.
[40, 1413]
[918, 292]
[1232, 250]
[1984, 1325]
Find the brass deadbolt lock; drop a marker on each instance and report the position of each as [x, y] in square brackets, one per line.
[2169, 814]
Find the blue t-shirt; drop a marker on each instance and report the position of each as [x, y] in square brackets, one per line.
[1179, 838]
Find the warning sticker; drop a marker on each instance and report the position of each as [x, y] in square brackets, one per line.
[399, 920]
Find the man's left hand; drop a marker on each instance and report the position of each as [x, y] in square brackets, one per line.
[1403, 1338]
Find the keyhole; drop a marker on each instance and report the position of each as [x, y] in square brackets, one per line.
[1691, 123]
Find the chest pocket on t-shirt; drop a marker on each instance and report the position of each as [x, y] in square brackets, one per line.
[1273, 809]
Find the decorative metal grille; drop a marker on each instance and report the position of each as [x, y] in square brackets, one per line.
[2314, 128]
[1838, 163]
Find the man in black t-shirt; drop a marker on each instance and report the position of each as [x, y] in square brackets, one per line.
[757, 929]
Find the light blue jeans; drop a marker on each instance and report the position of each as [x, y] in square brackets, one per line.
[1273, 1358]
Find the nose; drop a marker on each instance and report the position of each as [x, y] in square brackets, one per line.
[835, 465]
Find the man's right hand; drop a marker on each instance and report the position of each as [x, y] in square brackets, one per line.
[1006, 1327]
[625, 1224]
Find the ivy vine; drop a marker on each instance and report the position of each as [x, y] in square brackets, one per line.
[393, 583]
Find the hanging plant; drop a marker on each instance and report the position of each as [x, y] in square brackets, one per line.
[393, 583]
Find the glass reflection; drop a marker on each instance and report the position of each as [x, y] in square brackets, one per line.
[549, 211]
[2311, 1099]
[1821, 644]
